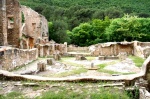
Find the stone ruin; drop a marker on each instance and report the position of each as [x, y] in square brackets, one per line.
[22, 41]
[41, 66]
[23, 35]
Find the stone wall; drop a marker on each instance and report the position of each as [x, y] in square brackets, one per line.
[77, 49]
[50, 49]
[3, 23]
[36, 25]
[142, 49]
[13, 57]
[13, 22]
[10, 22]
[112, 49]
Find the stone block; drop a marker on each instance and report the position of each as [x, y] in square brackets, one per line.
[101, 57]
[50, 61]
[41, 66]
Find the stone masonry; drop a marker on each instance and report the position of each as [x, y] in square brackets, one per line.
[10, 22]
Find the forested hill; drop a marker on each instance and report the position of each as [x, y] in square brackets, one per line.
[134, 7]
[66, 17]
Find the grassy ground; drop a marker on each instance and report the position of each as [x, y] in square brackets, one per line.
[137, 60]
[72, 72]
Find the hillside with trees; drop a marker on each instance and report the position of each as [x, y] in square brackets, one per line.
[86, 22]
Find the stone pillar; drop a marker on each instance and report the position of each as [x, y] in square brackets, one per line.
[41, 66]
[65, 49]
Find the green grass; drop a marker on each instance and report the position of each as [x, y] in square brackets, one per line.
[69, 73]
[101, 93]
[137, 60]
[13, 95]
[101, 66]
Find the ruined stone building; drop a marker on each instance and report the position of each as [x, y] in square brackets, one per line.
[10, 22]
[23, 35]
[35, 27]
[13, 29]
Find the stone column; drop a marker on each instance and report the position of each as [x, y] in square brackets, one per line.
[65, 49]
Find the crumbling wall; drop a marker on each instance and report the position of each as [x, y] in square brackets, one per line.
[112, 49]
[50, 49]
[13, 14]
[142, 49]
[14, 57]
[3, 23]
[77, 49]
[36, 25]
[10, 22]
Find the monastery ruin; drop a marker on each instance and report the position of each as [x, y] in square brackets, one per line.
[24, 38]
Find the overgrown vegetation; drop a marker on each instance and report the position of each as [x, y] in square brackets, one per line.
[13, 95]
[86, 22]
[101, 93]
[137, 60]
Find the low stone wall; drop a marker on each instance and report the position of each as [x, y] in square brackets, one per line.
[13, 57]
[112, 49]
[144, 44]
[78, 49]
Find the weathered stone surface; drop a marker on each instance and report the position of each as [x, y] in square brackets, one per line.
[50, 61]
[41, 66]
[14, 57]
[101, 57]
[10, 22]
[122, 55]
[143, 93]
[36, 25]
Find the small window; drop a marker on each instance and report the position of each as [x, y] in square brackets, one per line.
[33, 26]
[10, 23]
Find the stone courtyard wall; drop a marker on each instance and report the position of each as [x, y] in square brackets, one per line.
[77, 49]
[13, 57]
[112, 49]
